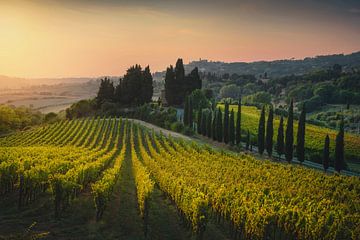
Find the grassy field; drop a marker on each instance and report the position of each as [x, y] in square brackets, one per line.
[314, 138]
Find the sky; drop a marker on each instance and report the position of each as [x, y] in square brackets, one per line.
[88, 38]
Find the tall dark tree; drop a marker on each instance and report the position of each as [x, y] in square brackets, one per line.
[232, 128]
[280, 138]
[261, 132]
[199, 121]
[204, 117]
[326, 155]
[300, 144]
[247, 140]
[170, 86]
[136, 87]
[147, 86]
[226, 123]
[177, 85]
[179, 93]
[190, 113]
[192, 81]
[213, 126]
[238, 123]
[339, 163]
[106, 91]
[270, 132]
[219, 126]
[209, 125]
[289, 135]
[186, 112]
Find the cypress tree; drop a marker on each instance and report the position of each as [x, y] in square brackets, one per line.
[199, 121]
[326, 156]
[186, 112]
[232, 128]
[280, 138]
[238, 123]
[226, 123]
[190, 113]
[289, 135]
[270, 132]
[179, 92]
[209, 125]
[219, 126]
[261, 132]
[170, 85]
[203, 124]
[213, 126]
[339, 149]
[247, 140]
[300, 145]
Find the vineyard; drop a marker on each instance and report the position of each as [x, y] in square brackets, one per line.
[314, 138]
[202, 193]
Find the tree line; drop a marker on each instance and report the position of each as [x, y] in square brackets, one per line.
[178, 85]
[225, 127]
[135, 88]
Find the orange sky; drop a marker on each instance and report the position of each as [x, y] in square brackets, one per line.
[46, 39]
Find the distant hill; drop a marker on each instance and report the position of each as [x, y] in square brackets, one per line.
[275, 68]
[17, 83]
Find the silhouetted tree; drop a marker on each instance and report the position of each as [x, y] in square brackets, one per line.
[247, 140]
[186, 112]
[177, 85]
[300, 144]
[270, 132]
[226, 123]
[219, 126]
[136, 88]
[238, 123]
[280, 138]
[261, 131]
[190, 113]
[199, 121]
[339, 149]
[106, 91]
[213, 126]
[326, 155]
[170, 86]
[232, 128]
[204, 117]
[147, 86]
[209, 125]
[289, 137]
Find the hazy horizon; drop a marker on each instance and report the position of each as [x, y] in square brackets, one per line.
[50, 39]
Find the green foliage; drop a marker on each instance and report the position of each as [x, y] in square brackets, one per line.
[258, 98]
[270, 132]
[136, 88]
[209, 120]
[232, 128]
[200, 100]
[300, 143]
[226, 123]
[238, 123]
[230, 91]
[16, 118]
[326, 153]
[339, 149]
[219, 126]
[177, 127]
[82, 108]
[289, 135]
[177, 85]
[261, 132]
[106, 92]
[280, 138]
